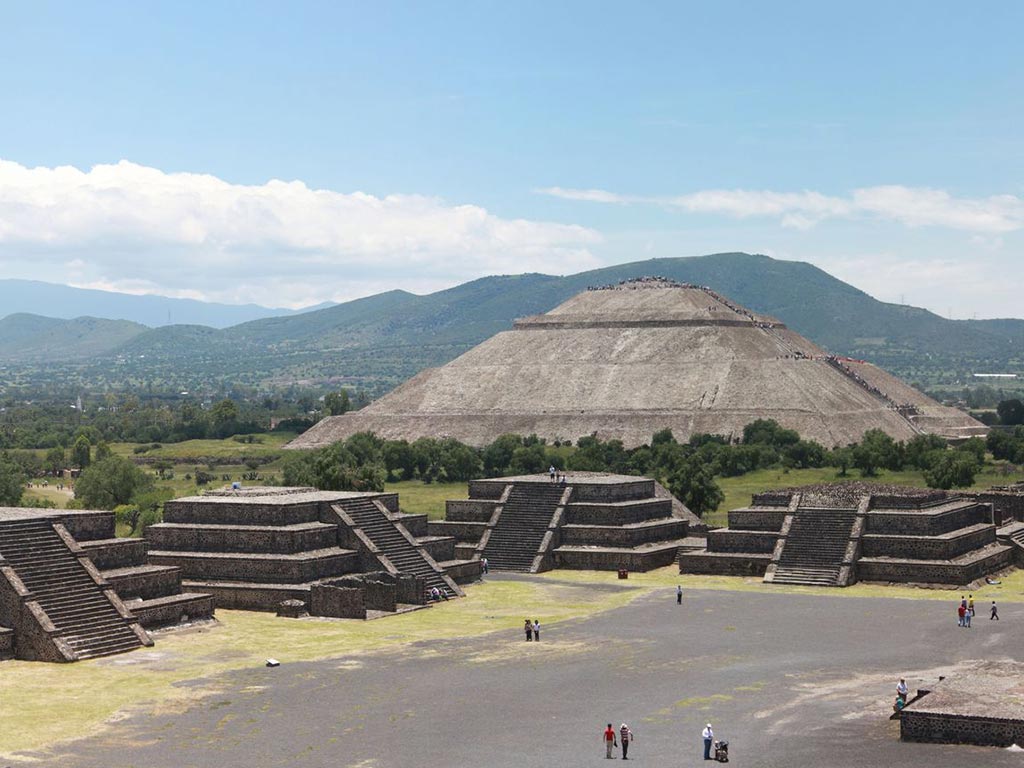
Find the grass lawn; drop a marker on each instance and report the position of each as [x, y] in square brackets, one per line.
[49, 494]
[270, 444]
[420, 498]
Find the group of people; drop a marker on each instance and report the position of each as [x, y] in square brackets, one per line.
[532, 630]
[965, 611]
[556, 476]
[624, 737]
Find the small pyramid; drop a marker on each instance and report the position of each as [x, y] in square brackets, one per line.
[627, 360]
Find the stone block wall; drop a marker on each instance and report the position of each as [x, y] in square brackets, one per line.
[380, 595]
[1006, 505]
[620, 536]
[926, 548]
[442, 549]
[640, 510]
[254, 597]
[910, 571]
[605, 560]
[723, 565]
[757, 520]
[941, 728]
[118, 554]
[267, 540]
[469, 510]
[415, 524]
[338, 602]
[89, 526]
[461, 531]
[181, 511]
[923, 523]
[732, 540]
[6, 643]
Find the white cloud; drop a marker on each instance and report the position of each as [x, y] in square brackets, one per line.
[910, 206]
[130, 227]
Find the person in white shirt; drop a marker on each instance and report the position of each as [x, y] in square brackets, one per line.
[902, 690]
[709, 739]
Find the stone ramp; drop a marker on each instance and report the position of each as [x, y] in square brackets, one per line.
[523, 522]
[76, 615]
[814, 549]
[396, 544]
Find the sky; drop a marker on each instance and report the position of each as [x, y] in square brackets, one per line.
[292, 153]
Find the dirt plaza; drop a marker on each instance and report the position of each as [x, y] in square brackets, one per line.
[787, 676]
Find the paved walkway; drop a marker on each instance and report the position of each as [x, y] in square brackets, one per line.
[788, 680]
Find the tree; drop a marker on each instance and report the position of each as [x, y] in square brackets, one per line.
[81, 452]
[111, 482]
[337, 403]
[842, 458]
[498, 455]
[694, 485]
[55, 460]
[224, 416]
[399, 460]
[955, 469]
[12, 481]
[1011, 412]
[919, 448]
[103, 451]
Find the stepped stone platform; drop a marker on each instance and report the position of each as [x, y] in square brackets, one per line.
[981, 704]
[254, 548]
[69, 590]
[836, 535]
[594, 521]
[625, 361]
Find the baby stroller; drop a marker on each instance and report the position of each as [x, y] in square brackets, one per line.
[722, 751]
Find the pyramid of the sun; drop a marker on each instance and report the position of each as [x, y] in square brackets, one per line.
[627, 360]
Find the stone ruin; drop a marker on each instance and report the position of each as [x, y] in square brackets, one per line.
[593, 520]
[981, 703]
[626, 361]
[70, 590]
[836, 535]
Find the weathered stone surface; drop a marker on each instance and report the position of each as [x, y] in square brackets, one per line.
[630, 360]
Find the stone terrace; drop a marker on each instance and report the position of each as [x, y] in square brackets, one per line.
[594, 521]
[254, 548]
[891, 534]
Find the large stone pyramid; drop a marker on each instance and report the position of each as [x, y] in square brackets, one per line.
[627, 360]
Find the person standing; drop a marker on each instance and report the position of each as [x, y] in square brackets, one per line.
[609, 741]
[995, 612]
[679, 594]
[484, 565]
[970, 605]
[625, 737]
[528, 629]
[961, 611]
[536, 630]
[709, 738]
[551, 472]
[967, 619]
[902, 691]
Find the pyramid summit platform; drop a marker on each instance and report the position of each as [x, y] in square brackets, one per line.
[628, 360]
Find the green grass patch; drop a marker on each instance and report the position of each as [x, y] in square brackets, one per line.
[419, 498]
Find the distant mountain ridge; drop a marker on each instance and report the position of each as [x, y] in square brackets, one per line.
[378, 341]
[66, 302]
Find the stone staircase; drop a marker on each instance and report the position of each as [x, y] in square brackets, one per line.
[815, 547]
[524, 520]
[397, 545]
[86, 616]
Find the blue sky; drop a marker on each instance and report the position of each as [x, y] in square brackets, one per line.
[433, 143]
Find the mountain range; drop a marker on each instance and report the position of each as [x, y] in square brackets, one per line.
[378, 341]
[66, 302]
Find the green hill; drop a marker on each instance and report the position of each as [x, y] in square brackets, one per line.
[25, 336]
[379, 341]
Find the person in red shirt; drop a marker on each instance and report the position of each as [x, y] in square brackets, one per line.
[609, 741]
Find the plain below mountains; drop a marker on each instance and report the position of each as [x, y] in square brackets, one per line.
[379, 341]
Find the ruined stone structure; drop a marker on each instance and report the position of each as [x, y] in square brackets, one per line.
[254, 548]
[982, 704]
[69, 590]
[629, 360]
[593, 521]
[835, 535]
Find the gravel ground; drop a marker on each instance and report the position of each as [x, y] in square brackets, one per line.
[788, 680]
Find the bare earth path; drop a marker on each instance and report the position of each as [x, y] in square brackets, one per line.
[789, 680]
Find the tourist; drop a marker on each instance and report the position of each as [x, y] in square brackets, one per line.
[970, 605]
[961, 611]
[551, 472]
[609, 741]
[562, 483]
[709, 739]
[625, 736]
[679, 594]
[995, 612]
[528, 628]
[484, 565]
[536, 630]
[967, 619]
[902, 691]
[435, 593]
